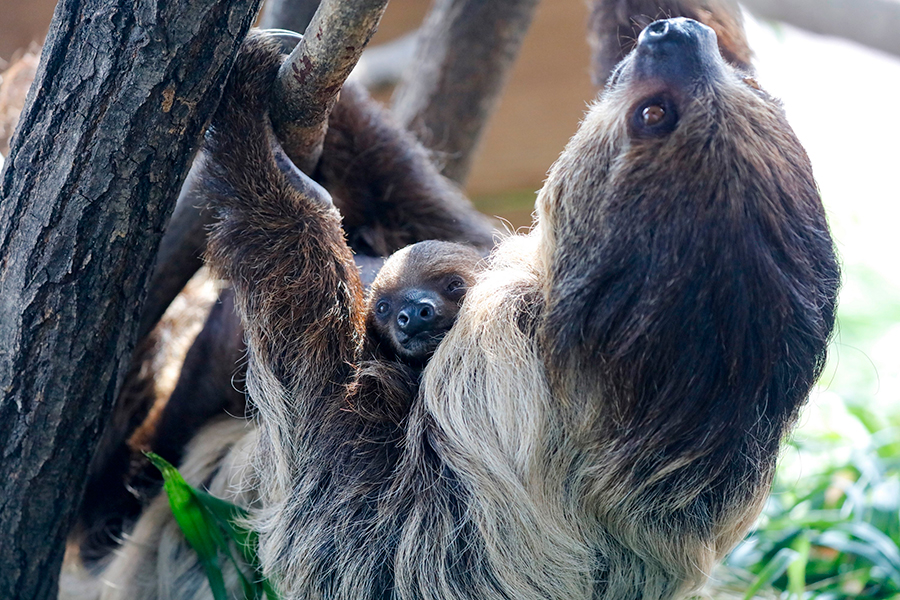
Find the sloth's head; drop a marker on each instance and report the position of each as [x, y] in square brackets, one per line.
[417, 295]
[676, 128]
[692, 277]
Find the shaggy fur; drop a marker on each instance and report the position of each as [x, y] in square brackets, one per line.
[389, 192]
[208, 387]
[209, 382]
[602, 422]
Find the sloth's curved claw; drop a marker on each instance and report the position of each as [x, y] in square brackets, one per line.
[287, 38]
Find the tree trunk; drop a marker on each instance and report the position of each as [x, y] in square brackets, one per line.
[122, 96]
[465, 51]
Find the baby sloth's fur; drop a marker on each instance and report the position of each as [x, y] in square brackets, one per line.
[603, 419]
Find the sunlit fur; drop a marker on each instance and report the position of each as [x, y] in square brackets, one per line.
[390, 195]
[602, 421]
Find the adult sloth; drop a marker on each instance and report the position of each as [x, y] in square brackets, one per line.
[603, 419]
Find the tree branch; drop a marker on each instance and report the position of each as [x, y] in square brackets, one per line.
[311, 77]
[873, 23]
[99, 154]
[184, 243]
[465, 51]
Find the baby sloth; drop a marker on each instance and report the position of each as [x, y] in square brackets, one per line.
[416, 297]
[411, 306]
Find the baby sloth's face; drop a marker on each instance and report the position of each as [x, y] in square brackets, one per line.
[417, 295]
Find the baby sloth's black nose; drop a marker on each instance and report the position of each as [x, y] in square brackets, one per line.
[416, 317]
[677, 50]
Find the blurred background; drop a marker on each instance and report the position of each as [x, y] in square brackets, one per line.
[832, 528]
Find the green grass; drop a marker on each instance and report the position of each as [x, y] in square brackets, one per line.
[833, 533]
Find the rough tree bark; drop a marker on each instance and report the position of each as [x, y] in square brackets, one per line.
[294, 15]
[117, 109]
[465, 51]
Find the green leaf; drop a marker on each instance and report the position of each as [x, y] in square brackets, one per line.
[206, 522]
[774, 569]
[229, 516]
[195, 522]
[796, 570]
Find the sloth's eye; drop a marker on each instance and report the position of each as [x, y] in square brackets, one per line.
[654, 117]
[455, 285]
[382, 308]
[653, 114]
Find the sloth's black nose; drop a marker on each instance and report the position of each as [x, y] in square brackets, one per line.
[676, 34]
[677, 50]
[416, 317]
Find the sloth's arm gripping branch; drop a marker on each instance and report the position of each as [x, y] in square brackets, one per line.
[278, 240]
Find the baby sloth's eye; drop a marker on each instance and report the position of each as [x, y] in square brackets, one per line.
[456, 288]
[382, 308]
[654, 117]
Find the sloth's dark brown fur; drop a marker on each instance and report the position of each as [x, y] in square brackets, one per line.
[602, 421]
[389, 192]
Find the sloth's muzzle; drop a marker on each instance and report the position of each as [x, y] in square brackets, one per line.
[677, 51]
